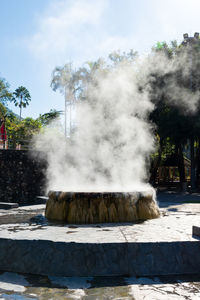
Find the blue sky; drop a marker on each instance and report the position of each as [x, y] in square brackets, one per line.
[37, 35]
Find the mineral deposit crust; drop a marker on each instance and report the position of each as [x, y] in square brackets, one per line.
[104, 207]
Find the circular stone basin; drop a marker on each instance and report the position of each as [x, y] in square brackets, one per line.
[105, 207]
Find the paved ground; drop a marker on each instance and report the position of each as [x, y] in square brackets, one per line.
[15, 286]
[178, 216]
[179, 213]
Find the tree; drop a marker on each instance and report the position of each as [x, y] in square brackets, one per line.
[46, 118]
[21, 132]
[21, 98]
[5, 94]
[64, 79]
[73, 83]
[176, 121]
[116, 57]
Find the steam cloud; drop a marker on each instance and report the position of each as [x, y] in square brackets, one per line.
[111, 146]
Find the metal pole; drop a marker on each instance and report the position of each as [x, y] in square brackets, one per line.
[70, 117]
[192, 138]
[65, 113]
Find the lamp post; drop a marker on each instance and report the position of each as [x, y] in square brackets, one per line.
[190, 42]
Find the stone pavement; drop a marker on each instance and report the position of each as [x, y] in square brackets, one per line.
[161, 246]
[15, 286]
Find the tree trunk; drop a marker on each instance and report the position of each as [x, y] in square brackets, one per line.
[181, 166]
[20, 116]
[155, 164]
[198, 163]
[192, 181]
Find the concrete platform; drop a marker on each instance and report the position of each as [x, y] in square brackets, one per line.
[162, 246]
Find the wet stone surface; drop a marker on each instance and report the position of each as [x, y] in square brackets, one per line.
[16, 286]
[24, 214]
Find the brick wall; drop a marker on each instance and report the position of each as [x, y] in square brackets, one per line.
[21, 177]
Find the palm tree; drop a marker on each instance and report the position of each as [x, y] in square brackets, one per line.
[46, 118]
[21, 98]
[64, 79]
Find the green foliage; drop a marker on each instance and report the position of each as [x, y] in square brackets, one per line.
[175, 127]
[3, 111]
[21, 98]
[47, 118]
[73, 83]
[169, 49]
[171, 121]
[63, 77]
[21, 132]
[117, 57]
[5, 94]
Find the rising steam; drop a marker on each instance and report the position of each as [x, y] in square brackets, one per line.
[111, 145]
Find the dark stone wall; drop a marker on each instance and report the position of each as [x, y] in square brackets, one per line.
[47, 257]
[22, 177]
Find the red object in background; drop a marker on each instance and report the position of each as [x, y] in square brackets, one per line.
[3, 132]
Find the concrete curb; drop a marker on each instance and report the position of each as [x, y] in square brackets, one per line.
[46, 257]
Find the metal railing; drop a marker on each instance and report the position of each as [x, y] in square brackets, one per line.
[15, 145]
